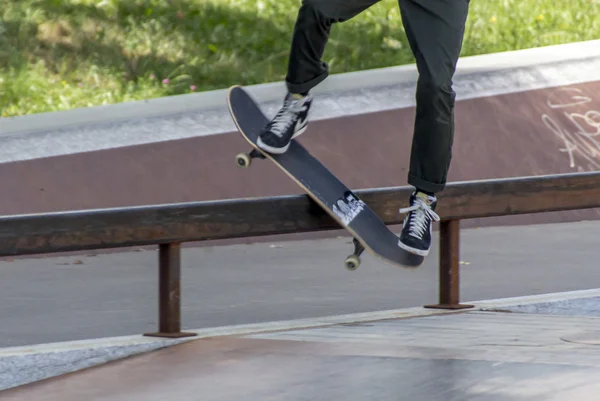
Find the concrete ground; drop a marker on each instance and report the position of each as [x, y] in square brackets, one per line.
[76, 297]
[473, 355]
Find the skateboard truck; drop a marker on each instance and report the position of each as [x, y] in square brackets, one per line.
[353, 261]
[245, 159]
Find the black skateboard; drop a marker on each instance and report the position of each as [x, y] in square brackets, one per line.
[369, 231]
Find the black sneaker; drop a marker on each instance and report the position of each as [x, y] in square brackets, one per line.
[416, 230]
[289, 122]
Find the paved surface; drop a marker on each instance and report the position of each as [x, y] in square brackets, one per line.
[57, 299]
[477, 356]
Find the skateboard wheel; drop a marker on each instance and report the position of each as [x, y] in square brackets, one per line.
[352, 262]
[243, 160]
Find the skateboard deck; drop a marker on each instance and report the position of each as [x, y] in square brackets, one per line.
[343, 205]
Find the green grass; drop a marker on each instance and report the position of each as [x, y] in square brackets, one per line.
[63, 54]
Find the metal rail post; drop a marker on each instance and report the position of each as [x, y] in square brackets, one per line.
[449, 277]
[169, 292]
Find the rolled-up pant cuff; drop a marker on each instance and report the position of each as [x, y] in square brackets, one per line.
[306, 86]
[425, 185]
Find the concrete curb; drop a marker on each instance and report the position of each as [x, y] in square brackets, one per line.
[341, 96]
[27, 364]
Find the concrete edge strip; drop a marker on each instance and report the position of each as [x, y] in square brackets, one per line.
[221, 331]
[536, 299]
[294, 324]
[357, 80]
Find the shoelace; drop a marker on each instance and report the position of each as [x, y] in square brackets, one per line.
[418, 223]
[284, 117]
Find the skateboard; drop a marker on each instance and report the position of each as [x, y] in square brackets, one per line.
[342, 204]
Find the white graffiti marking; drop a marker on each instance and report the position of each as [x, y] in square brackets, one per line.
[582, 136]
[579, 99]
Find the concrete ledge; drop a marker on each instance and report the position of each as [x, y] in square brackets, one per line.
[27, 364]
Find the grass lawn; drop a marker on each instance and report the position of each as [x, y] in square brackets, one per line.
[63, 54]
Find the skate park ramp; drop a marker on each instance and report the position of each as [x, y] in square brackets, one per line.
[528, 112]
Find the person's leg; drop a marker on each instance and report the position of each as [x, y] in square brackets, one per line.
[435, 30]
[305, 67]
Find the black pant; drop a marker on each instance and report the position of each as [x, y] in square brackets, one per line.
[435, 30]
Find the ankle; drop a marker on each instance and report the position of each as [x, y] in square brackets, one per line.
[428, 197]
[425, 192]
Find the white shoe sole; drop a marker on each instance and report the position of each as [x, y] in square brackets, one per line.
[279, 151]
[410, 249]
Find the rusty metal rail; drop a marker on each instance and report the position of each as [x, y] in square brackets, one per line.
[173, 224]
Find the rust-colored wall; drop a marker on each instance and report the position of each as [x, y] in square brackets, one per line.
[498, 136]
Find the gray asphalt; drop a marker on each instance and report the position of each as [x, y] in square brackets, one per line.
[60, 299]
